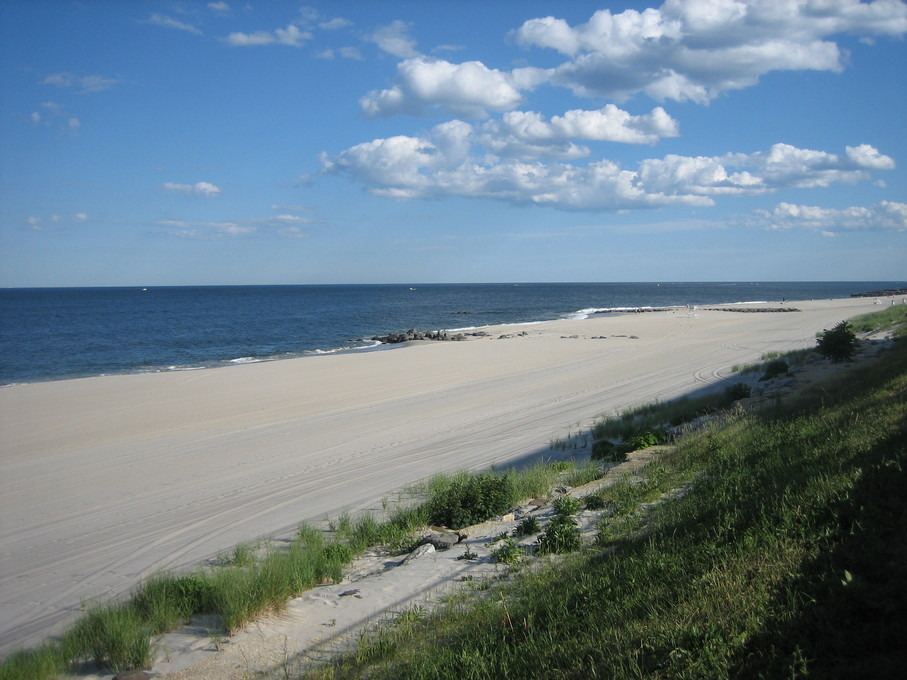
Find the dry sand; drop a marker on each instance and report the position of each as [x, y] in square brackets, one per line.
[104, 481]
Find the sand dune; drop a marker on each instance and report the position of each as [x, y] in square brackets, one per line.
[106, 480]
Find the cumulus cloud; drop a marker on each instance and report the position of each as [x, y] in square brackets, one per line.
[169, 22]
[290, 36]
[884, 216]
[696, 49]
[469, 89]
[528, 134]
[454, 159]
[198, 189]
[82, 84]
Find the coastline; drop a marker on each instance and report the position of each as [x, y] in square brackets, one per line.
[108, 479]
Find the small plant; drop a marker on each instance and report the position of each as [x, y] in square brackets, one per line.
[595, 502]
[644, 439]
[738, 391]
[838, 344]
[468, 555]
[566, 505]
[560, 465]
[561, 536]
[775, 368]
[530, 525]
[604, 450]
[509, 552]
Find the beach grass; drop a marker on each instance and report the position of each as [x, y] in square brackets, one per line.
[253, 579]
[787, 549]
[786, 556]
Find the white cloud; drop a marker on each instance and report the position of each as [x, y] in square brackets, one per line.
[286, 225]
[394, 39]
[696, 49]
[220, 7]
[80, 217]
[884, 216]
[453, 159]
[53, 114]
[84, 84]
[469, 89]
[334, 24]
[170, 22]
[290, 36]
[205, 230]
[198, 189]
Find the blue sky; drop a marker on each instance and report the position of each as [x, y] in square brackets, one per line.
[184, 143]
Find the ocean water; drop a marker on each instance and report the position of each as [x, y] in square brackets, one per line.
[62, 333]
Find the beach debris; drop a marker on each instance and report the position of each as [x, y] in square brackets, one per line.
[421, 551]
[351, 593]
[442, 540]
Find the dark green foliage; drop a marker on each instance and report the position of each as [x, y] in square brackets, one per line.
[508, 552]
[566, 505]
[645, 439]
[470, 500]
[595, 502]
[775, 368]
[561, 536]
[737, 391]
[838, 344]
[530, 525]
[604, 450]
[167, 601]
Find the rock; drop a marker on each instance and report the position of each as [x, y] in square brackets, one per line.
[421, 551]
[442, 540]
[509, 517]
[413, 334]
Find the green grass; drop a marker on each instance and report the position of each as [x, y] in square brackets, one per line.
[786, 557]
[893, 317]
[251, 579]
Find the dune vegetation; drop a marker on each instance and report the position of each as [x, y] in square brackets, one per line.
[777, 547]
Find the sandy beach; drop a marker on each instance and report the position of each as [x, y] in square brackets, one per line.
[104, 481]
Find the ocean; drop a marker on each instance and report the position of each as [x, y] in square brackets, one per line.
[64, 333]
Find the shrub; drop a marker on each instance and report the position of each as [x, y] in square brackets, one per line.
[738, 391]
[645, 439]
[775, 368]
[595, 502]
[509, 552]
[603, 450]
[560, 536]
[838, 344]
[530, 525]
[470, 500]
[566, 505]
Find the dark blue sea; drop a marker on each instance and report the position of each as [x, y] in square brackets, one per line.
[62, 333]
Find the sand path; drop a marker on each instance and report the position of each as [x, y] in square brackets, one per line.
[105, 480]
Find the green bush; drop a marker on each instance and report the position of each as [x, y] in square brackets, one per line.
[530, 525]
[738, 391]
[595, 502]
[566, 505]
[470, 500]
[645, 439]
[561, 536]
[775, 368]
[603, 450]
[508, 552]
[838, 344]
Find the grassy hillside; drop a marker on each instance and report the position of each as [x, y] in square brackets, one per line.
[787, 557]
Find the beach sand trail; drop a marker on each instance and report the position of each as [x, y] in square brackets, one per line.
[104, 481]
